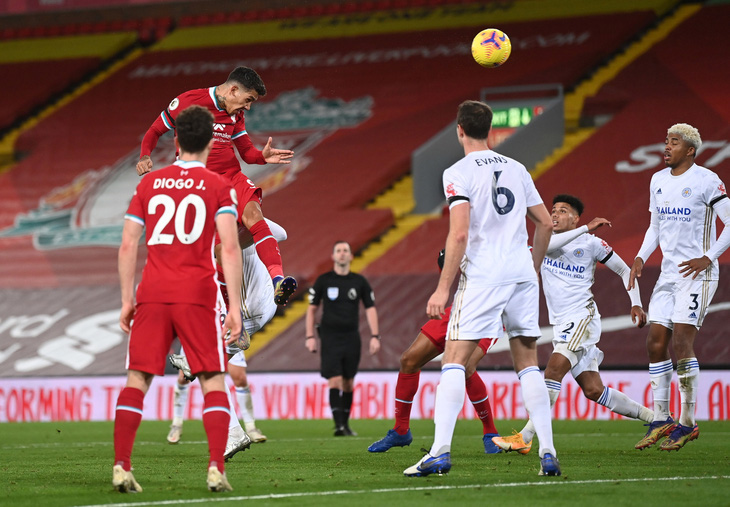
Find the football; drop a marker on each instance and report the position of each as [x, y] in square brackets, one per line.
[491, 47]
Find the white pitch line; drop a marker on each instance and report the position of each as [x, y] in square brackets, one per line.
[277, 496]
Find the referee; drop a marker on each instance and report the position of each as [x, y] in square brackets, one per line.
[340, 292]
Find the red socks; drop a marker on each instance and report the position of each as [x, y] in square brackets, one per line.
[126, 422]
[477, 392]
[405, 390]
[267, 248]
[216, 416]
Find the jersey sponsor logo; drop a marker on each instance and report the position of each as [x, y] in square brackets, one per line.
[721, 188]
[578, 252]
[686, 192]
[659, 191]
[333, 292]
[311, 295]
[556, 263]
[668, 210]
[352, 294]
[450, 190]
[219, 126]
[173, 105]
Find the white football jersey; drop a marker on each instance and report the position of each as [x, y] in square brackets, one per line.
[257, 290]
[499, 190]
[682, 205]
[568, 275]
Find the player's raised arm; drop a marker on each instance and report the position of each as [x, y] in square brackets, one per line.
[149, 142]
[543, 230]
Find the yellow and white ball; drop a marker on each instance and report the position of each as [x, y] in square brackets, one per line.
[491, 47]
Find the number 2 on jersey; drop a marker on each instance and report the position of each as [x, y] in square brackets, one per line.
[180, 214]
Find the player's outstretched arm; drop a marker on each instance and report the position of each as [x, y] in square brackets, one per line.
[149, 142]
[127, 265]
[371, 315]
[543, 230]
[232, 270]
[597, 223]
[696, 266]
[651, 242]
[456, 242]
[276, 156]
[310, 341]
[618, 266]
[144, 165]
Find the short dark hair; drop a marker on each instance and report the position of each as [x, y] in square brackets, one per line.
[194, 129]
[475, 118]
[249, 79]
[341, 241]
[571, 200]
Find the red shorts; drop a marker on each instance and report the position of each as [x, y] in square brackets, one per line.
[247, 191]
[154, 327]
[435, 330]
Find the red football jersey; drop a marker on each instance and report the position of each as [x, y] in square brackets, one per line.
[177, 206]
[227, 131]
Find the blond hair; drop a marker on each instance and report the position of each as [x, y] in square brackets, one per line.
[688, 133]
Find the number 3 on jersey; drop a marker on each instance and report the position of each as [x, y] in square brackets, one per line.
[179, 214]
[507, 202]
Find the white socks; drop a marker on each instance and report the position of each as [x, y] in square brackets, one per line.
[245, 403]
[618, 402]
[688, 374]
[450, 395]
[179, 404]
[660, 375]
[537, 403]
[553, 387]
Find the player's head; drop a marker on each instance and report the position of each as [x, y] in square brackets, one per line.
[681, 145]
[242, 88]
[247, 78]
[475, 119]
[566, 213]
[194, 128]
[341, 253]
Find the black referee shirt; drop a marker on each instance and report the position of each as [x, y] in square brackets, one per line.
[340, 297]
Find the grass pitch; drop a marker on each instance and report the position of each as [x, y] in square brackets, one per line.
[63, 464]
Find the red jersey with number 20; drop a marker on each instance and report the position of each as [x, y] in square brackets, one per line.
[177, 206]
[228, 130]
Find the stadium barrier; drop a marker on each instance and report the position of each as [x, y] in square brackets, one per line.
[305, 396]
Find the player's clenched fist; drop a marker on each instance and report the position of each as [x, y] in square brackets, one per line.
[144, 165]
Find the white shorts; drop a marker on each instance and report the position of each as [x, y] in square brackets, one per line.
[486, 312]
[238, 360]
[577, 340]
[680, 301]
[252, 325]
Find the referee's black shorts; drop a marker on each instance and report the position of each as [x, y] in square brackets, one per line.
[340, 354]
